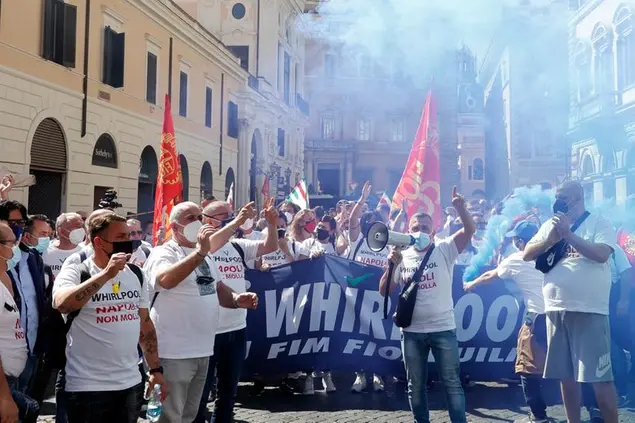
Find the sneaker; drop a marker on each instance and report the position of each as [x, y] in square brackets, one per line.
[623, 401]
[360, 383]
[327, 381]
[595, 415]
[532, 419]
[309, 389]
[378, 383]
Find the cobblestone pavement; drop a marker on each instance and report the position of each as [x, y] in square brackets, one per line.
[486, 402]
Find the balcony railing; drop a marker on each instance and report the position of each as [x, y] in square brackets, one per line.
[253, 82]
[303, 105]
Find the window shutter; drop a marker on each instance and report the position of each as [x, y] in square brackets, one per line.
[119, 54]
[69, 36]
[151, 79]
[107, 59]
[183, 94]
[232, 124]
[208, 107]
[48, 32]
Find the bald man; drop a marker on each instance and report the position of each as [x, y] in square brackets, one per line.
[572, 249]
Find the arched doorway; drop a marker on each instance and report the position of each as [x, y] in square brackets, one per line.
[253, 167]
[148, 171]
[48, 165]
[105, 152]
[185, 175]
[229, 181]
[206, 182]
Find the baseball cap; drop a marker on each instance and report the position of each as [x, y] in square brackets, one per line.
[524, 230]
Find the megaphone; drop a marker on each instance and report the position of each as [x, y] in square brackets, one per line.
[379, 236]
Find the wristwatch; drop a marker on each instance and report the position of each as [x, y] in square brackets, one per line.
[156, 370]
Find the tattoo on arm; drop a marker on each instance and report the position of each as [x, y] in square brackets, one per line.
[148, 340]
[87, 292]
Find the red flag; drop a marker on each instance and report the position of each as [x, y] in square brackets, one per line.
[265, 189]
[419, 184]
[169, 179]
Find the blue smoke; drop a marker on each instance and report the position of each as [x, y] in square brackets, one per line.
[523, 200]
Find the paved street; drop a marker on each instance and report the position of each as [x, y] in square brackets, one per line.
[489, 402]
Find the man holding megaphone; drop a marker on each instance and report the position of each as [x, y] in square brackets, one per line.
[425, 310]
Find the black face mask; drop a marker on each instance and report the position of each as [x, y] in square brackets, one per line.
[560, 206]
[227, 221]
[322, 234]
[281, 233]
[122, 247]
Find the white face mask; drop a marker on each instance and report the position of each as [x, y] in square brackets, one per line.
[77, 236]
[248, 225]
[190, 231]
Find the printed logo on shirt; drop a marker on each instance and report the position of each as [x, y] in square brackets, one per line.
[572, 253]
[427, 280]
[117, 313]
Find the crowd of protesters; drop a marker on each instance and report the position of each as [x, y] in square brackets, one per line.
[174, 313]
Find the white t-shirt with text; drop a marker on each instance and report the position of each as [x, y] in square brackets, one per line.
[186, 316]
[527, 279]
[577, 283]
[434, 306]
[13, 348]
[228, 262]
[55, 258]
[358, 251]
[101, 345]
[278, 258]
[313, 246]
[76, 258]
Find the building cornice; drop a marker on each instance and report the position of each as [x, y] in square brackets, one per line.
[170, 16]
[583, 11]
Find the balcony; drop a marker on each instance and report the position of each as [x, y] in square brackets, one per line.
[303, 105]
[603, 104]
[322, 144]
[253, 82]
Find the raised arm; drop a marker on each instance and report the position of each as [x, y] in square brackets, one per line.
[270, 243]
[484, 279]
[463, 236]
[356, 213]
[70, 298]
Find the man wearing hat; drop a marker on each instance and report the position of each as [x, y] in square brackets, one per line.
[532, 337]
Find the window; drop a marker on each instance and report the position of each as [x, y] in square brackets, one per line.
[232, 119]
[296, 77]
[183, 94]
[59, 32]
[287, 78]
[114, 55]
[365, 66]
[328, 128]
[625, 46]
[582, 72]
[208, 107]
[477, 169]
[280, 142]
[242, 52]
[603, 63]
[363, 129]
[329, 65]
[151, 78]
[238, 11]
[396, 129]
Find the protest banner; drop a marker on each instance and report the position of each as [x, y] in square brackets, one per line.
[327, 313]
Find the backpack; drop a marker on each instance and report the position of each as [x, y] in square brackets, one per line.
[59, 351]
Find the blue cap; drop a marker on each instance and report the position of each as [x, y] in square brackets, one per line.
[524, 230]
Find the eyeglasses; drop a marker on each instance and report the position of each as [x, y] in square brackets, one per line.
[17, 222]
[136, 233]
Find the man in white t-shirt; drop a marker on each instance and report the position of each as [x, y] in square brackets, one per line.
[432, 327]
[532, 337]
[187, 290]
[86, 250]
[576, 292]
[70, 233]
[231, 337]
[142, 248]
[105, 301]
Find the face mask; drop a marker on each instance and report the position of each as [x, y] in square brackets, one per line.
[561, 206]
[289, 216]
[249, 224]
[77, 236]
[42, 244]
[310, 227]
[122, 247]
[13, 261]
[281, 233]
[422, 240]
[17, 231]
[322, 234]
[190, 231]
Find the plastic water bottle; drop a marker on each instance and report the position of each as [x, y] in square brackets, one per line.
[154, 405]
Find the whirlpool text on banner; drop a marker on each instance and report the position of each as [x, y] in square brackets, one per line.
[327, 313]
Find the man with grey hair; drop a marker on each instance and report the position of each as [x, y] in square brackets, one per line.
[87, 249]
[231, 340]
[188, 290]
[70, 233]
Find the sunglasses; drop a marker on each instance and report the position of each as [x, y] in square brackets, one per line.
[136, 233]
[17, 222]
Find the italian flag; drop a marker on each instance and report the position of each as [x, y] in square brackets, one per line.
[299, 195]
[384, 200]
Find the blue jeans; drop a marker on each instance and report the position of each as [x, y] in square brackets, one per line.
[229, 355]
[416, 348]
